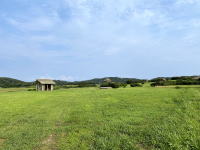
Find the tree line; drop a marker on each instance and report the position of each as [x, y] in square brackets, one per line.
[184, 80]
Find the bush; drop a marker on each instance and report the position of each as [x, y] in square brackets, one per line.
[111, 84]
[114, 85]
[153, 84]
[136, 85]
[129, 81]
[31, 90]
[123, 85]
[105, 84]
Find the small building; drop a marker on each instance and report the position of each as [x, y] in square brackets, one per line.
[105, 88]
[44, 85]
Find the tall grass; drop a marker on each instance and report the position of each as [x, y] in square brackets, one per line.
[180, 130]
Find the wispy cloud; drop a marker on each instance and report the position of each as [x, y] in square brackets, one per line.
[68, 35]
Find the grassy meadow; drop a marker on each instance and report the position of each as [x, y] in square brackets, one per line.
[92, 119]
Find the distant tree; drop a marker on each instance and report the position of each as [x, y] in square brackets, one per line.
[105, 84]
[114, 85]
[153, 84]
[136, 85]
[9, 82]
[123, 85]
[110, 84]
[160, 79]
[129, 81]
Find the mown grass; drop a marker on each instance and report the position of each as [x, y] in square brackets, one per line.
[90, 118]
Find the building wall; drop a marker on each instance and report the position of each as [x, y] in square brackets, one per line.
[41, 87]
[52, 87]
[38, 87]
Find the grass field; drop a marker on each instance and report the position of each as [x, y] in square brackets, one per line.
[89, 118]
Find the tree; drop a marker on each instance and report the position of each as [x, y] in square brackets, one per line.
[129, 81]
[115, 85]
[136, 85]
[123, 85]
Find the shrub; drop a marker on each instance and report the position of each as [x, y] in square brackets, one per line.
[110, 84]
[153, 84]
[114, 85]
[123, 85]
[31, 90]
[105, 84]
[136, 85]
[129, 81]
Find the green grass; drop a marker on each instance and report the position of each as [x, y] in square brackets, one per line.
[90, 118]
[181, 86]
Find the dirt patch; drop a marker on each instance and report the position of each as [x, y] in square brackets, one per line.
[2, 141]
[49, 140]
[49, 143]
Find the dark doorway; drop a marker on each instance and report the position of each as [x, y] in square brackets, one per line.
[47, 87]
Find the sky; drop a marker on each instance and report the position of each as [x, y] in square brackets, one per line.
[83, 39]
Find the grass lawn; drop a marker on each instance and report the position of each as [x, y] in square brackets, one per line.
[89, 118]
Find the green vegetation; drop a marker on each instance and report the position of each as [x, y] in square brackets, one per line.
[9, 82]
[112, 84]
[142, 118]
[113, 79]
[184, 80]
[117, 82]
[136, 85]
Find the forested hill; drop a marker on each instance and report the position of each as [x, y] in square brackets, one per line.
[9, 82]
[97, 81]
[113, 79]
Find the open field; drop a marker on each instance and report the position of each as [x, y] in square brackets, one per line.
[89, 118]
[179, 86]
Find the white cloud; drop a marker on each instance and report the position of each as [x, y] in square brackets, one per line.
[180, 2]
[65, 78]
[46, 77]
[62, 77]
[74, 31]
[39, 23]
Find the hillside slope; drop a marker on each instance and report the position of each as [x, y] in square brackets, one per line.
[10, 82]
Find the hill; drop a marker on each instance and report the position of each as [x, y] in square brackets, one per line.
[97, 81]
[10, 82]
[6, 82]
[114, 79]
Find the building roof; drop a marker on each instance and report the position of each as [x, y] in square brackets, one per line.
[105, 87]
[45, 81]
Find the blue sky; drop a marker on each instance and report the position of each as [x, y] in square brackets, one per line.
[83, 39]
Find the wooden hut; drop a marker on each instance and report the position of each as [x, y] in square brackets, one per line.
[44, 85]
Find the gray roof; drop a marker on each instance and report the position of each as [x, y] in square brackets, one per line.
[105, 87]
[45, 81]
